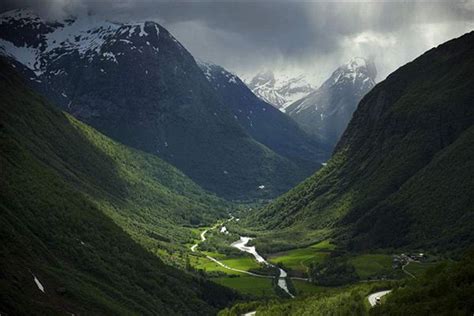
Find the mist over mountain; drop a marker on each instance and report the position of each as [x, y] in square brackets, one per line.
[402, 159]
[279, 92]
[327, 111]
[263, 121]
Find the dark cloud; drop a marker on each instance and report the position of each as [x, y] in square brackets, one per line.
[289, 35]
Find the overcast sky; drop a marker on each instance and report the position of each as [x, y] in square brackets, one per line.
[289, 37]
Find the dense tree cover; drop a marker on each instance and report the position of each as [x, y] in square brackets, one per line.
[88, 217]
[447, 289]
[332, 272]
[401, 174]
[342, 301]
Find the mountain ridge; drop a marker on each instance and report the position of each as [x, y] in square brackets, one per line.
[279, 92]
[137, 84]
[262, 121]
[327, 111]
[88, 219]
[372, 192]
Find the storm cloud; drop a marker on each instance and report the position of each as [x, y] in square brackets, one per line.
[289, 37]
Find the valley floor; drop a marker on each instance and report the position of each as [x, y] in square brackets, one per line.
[246, 271]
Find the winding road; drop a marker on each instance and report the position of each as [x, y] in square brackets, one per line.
[373, 297]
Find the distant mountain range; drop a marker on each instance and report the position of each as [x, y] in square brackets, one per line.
[323, 112]
[401, 174]
[137, 84]
[327, 111]
[279, 91]
[262, 121]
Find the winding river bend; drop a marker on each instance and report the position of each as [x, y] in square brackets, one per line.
[241, 244]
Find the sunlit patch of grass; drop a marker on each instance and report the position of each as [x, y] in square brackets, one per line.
[300, 259]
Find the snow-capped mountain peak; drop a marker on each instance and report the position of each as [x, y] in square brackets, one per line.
[279, 91]
[355, 69]
[35, 42]
[327, 111]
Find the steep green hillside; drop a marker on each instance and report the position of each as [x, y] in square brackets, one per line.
[138, 85]
[447, 289]
[402, 173]
[87, 217]
[340, 301]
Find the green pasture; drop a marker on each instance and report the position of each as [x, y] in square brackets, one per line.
[418, 268]
[248, 285]
[368, 265]
[300, 258]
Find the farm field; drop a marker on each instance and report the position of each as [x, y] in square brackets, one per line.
[368, 265]
[242, 263]
[248, 285]
[418, 268]
[300, 258]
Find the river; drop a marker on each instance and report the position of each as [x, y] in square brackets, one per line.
[242, 246]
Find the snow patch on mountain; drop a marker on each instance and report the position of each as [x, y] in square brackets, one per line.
[210, 70]
[327, 111]
[279, 91]
[44, 41]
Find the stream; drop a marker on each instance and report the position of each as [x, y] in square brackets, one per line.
[242, 246]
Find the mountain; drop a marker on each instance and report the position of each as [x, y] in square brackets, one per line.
[327, 111]
[83, 219]
[279, 92]
[137, 84]
[401, 175]
[262, 121]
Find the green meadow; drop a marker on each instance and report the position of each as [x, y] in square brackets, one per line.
[248, 285]
[242, 263]
[299, 259]
[368, 265]
[418, 268]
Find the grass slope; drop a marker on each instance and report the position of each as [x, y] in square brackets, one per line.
[84, 215]
[401, 174]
